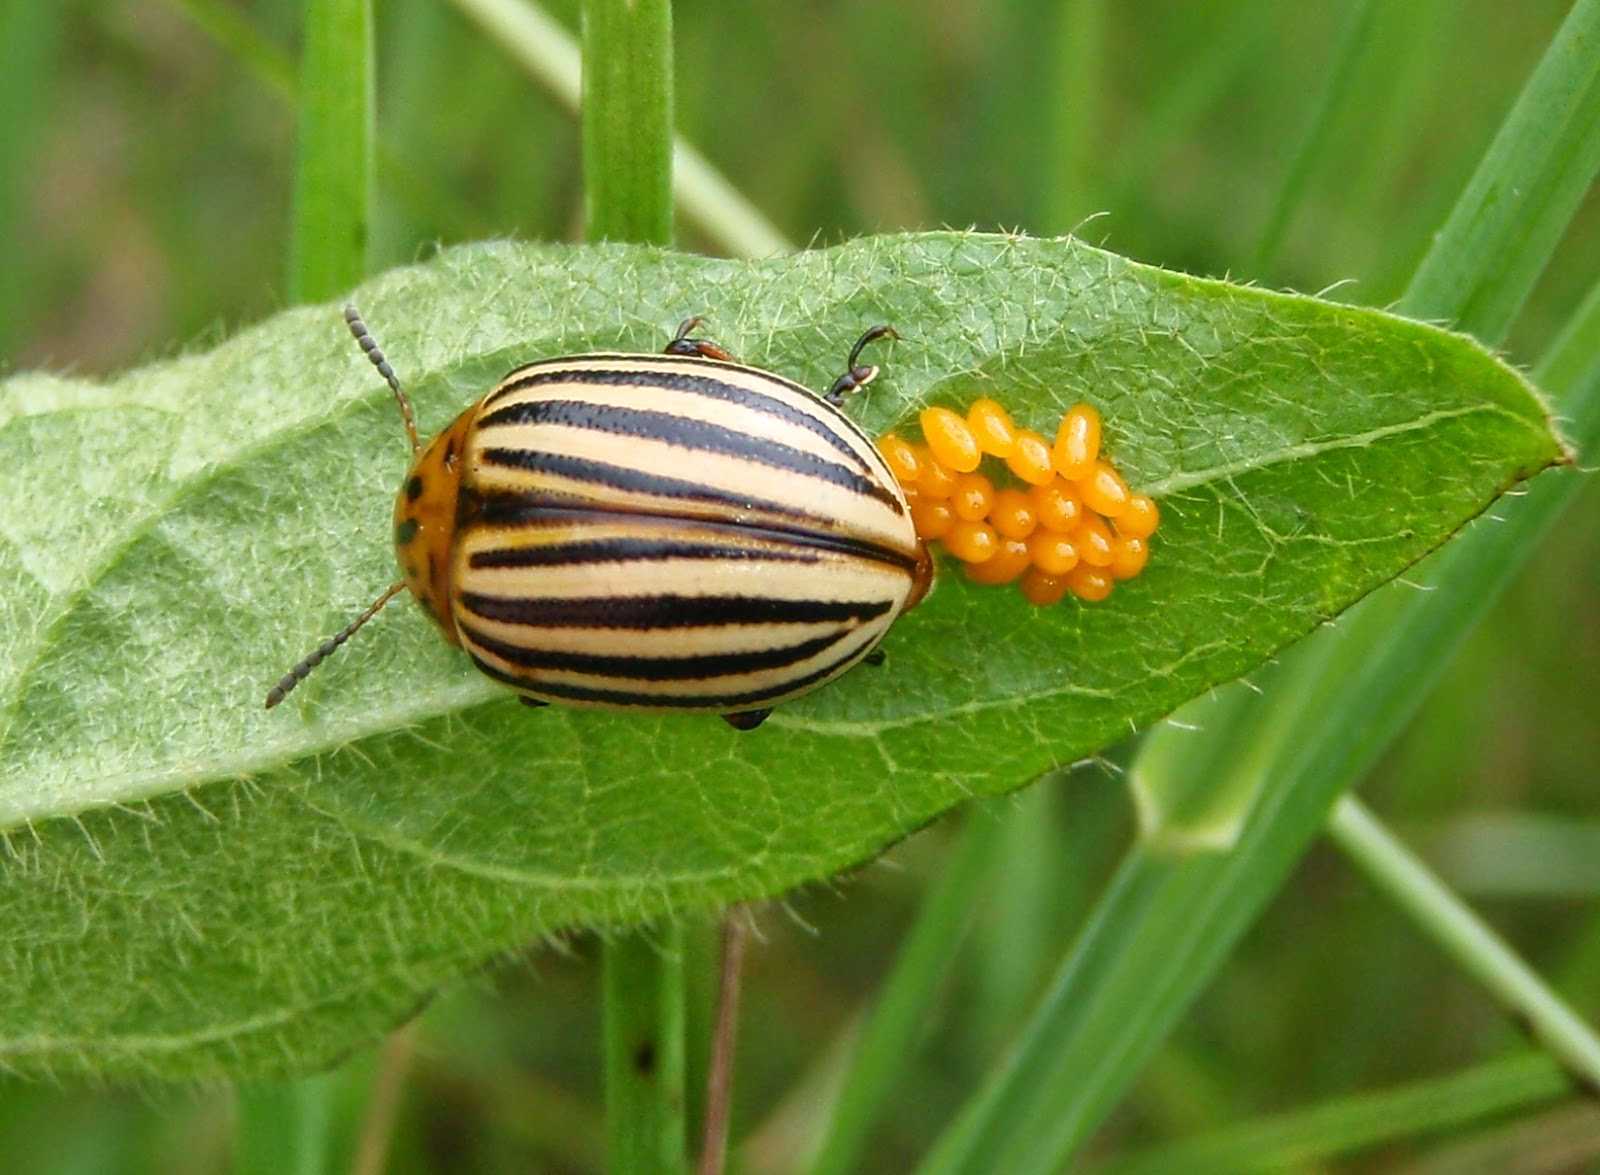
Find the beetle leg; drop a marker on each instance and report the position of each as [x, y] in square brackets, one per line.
[875, 658]
[747, 719]
[857, 375]
[682, 344]
[535, 703]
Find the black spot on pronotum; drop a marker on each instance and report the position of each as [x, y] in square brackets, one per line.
[644, 1058]
[414, 488]
[405, 531]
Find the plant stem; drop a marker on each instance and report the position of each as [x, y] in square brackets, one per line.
[1448, 921]
[383, 1102]
[627, 120]
[644, 1000]
[333, 162]
[719, 1076]
[550, 57]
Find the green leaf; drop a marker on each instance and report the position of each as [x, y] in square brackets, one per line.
[193, 885]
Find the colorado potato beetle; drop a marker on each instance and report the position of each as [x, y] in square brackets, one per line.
[656, 532]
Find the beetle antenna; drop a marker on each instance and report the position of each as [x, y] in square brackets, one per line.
[369, 345]
[300, 672]
[881, 331]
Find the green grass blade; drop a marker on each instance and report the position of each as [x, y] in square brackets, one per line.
[627, 120]
[1480, 952]
[333, 159]
[1541, 163]
[551, 58]
[900, 1015]
[1352, 48]
[1116, 998]
[1324, 1132]
[643, 1002]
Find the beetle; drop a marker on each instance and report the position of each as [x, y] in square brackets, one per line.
[652, 532]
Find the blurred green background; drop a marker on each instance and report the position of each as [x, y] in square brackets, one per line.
[145, 176]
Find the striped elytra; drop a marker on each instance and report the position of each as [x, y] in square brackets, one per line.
[672, 532]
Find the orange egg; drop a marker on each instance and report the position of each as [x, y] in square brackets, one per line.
[1052, 553]
[1058, 505]
[1030, 458]
[935, 479]
[1139, 518]
[1089, 583]
[1094, 540]
[972, 542]
[1077, 442]
[991, 424]
[972, 497]
[1042, 588]
[900, 457]
[1128, 556]
[1010, 561]
[1104, 490]
[933, 517]
[1013, 514]
[950, 439]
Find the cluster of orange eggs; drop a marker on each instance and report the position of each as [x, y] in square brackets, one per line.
[1072, 525]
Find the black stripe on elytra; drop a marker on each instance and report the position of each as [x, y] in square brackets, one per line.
[552, 512]
[707, 386]
[619, 548]
[690, 667]
[686, 432]
[563, 691]
[644, 613]
[630, 480]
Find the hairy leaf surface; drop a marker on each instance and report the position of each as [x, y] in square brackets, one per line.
[194, 886]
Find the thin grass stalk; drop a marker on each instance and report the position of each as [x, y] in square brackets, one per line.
[1476, 949]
